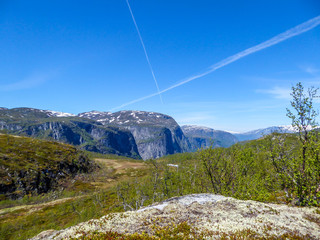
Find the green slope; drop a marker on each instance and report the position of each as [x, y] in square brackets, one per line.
[29, 166]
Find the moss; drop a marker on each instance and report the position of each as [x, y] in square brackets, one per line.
[184, 231]
[19, 224]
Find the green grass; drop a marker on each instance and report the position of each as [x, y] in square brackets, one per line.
[21, 224]
[248, 163]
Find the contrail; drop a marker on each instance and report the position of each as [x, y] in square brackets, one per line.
[297, 30]
[145, 51]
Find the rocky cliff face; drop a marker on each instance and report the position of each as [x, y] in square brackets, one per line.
[204, 137]
[210, 216]
[89, 135]
[156, 134]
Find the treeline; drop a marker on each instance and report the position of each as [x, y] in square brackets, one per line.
[275, 168]
[270, 169]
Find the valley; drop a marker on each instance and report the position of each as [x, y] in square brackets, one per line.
[84, 197]
[134, 134]
[59, 170]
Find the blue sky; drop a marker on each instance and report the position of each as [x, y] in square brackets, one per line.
[77, 56]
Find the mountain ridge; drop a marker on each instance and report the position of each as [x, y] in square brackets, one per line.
[129, 133]
[156, 134]
[204, 137]
[87, 134]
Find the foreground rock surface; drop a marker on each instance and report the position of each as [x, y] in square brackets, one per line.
[206, 212]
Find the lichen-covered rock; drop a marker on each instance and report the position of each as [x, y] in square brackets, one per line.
[215, 215]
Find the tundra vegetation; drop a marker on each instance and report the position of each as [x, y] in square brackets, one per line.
[277, 168]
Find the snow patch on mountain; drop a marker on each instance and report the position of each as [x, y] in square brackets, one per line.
[196, 127]
[58, 114]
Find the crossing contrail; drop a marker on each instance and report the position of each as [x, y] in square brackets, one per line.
[297, 30]
[145, 51]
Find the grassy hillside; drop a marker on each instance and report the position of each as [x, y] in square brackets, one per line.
[31, 166]
[80, 188]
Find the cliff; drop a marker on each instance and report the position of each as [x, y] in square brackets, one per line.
[156, 134]
[87, 134]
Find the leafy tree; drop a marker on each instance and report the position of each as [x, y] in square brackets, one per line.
[304, 117]
[300, 171]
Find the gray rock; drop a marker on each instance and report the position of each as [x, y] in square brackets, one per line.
[217, 215]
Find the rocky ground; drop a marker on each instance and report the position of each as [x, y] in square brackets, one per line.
[213, 214]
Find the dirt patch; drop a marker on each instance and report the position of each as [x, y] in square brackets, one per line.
[120, 166]
[36, 207]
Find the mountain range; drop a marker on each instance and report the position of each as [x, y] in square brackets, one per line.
[135, 134]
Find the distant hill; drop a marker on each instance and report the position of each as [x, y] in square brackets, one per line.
[31, 166]
[204, 137]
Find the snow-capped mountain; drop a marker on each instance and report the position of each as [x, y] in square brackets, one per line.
[130, 133]
[156, 134]
[65, 127]
[258, 133]
[124, 118]
[95, 115]
[58, 114]
[203, 137]
[31, 112]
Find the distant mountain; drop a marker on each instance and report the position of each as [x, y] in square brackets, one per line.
[31, 113]
[63, 127]
[204, 137]
[155, 134]
[136, 134]
[255, 134]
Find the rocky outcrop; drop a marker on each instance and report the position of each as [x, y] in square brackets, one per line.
[156, 134]
[204, 137]
[29, 166]
[214, 215]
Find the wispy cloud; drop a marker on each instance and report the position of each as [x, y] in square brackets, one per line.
[194, 117]
[304, 27]
[309, 69]
[27, 83]
[277, 92]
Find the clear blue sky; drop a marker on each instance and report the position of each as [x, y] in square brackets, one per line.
[77, 56]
